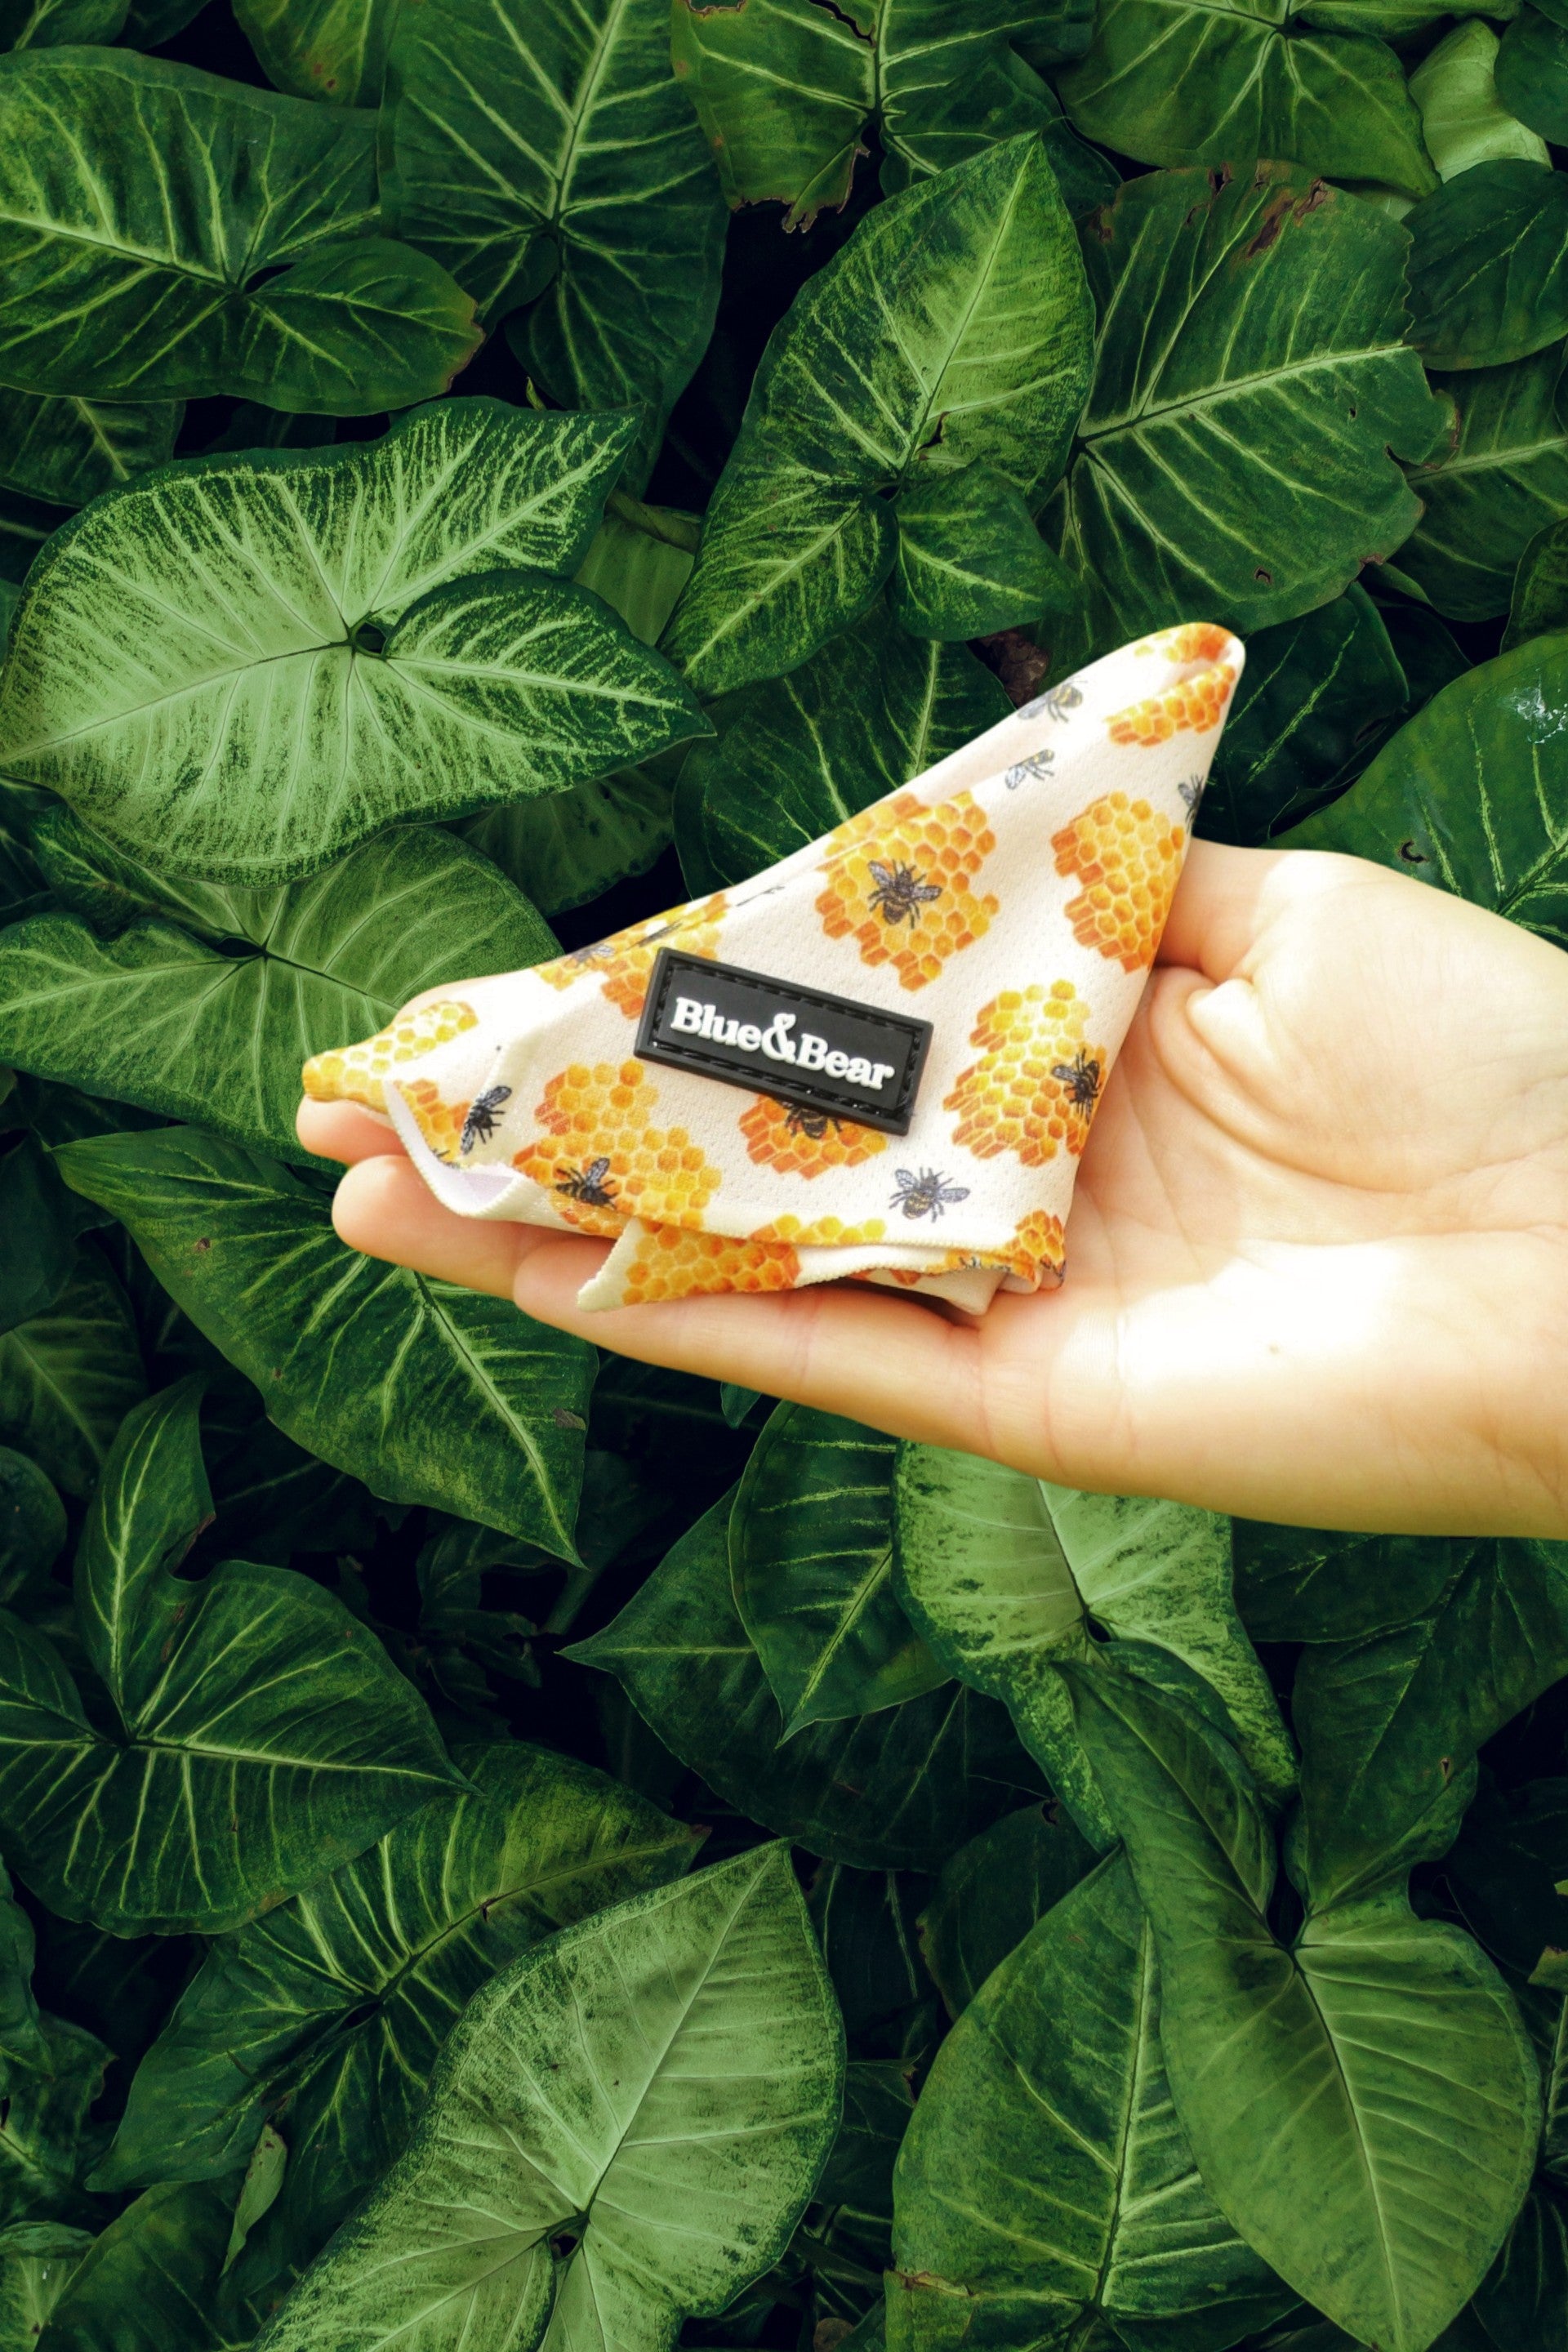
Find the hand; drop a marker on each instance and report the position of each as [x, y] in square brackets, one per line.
[1317, 1255]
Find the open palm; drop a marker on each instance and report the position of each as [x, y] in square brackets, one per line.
[1318, 1251]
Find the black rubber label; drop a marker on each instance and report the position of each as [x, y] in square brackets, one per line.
[818, 1052]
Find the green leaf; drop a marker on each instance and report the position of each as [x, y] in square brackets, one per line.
[429, 1392]
[40, 1228]
[970, 561]
[990, 1894]
[148, 2283]
[1251, 379]
[46, 24]
[1502, 481]
[165, 234]
[258, 1735]
[811, 1557]
[329, 49]
[36, 2259]
[167, 1020]
[67, 450]
[1464, 116]
[329, 2013]
[1533, 74]
[1170, 81]
[48, 2137]
[1008, 1577]
[334, 646]
[639, 562]
[980, 353]
[1380, 2059]
[68, 1377]
[1524, 2296]
[1489, 266]
[1317, 697]
[1539, 601]
[544, 153]
[797, 755]
[864, 1922]
[1044, 2176]
[21, 2035]
[786, 90]
[1504, 1868]
[895, 1791]
[660, 2084]
[32, 1525]
[1441, 801]
[564, 848]
[1394, 20]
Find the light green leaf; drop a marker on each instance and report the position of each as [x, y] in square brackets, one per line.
[1504, 479]
[68, 1377]
[1173, 81]
[797, 755]
[970, 561]
[640, 559]
[544, 153]
[259, 1734]
[48, 2138]
[68, 450]
[1394, 20]
[36, 2259]
[1442, 802]
[329, 49]
[564, 848]
[811, 1555]
[901, 1790]
[1044, 2176]
[1489, 266]
[431, 1393]
[658, 2086]
[47, 24]
[165, 1019]
[1533, 76]
[1539, 601]
[1008, 1576]
[1465, 117]
[1380, 2059]
[990, 1894]
[1251, 379]
[165, 234]
[332, 646]
[788, 90]
[331, 2012]
[979, 351]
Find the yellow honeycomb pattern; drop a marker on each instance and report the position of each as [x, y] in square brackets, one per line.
[823, 1232]
[806, 1142]
[1127, 857]
[1039, 1248]
[1034, 1089]
[898, 879]
[355, 1073]
[671, 1263]
[440, 1123]
[625, 962]
[603, 1159]
[1199, 704]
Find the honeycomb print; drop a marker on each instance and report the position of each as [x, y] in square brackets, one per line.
[673, 1264]
[1199, 705]
[603, 1159]
[625, 962]
[1127, 858]
[821, 1233]
[1039, 1248]
[898, 883]
[806, 1142]
[440, 1123]
[1034, 1089]
[951, 1261]
[355, 1073]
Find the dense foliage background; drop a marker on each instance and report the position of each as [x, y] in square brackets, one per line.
[508, 1846]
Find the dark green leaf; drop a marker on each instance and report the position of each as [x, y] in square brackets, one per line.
[1524, 2297]
[46, 24]
[1489, 266]
[21, 2036]
[564, 848]
[1504, 479]
[67, 450]
[24, 524]
[167, 1020]
[1504, 1868]
[546, 155]
[1251, 380]
[981, 353]
[331, 49]
[47, 2137]
[1310, 1584]
[336, 647]
[969, 559]
[864, 1922]
[68, 1378]
[1539, 600]
[38, 1255]
[36, 2259]
[1533, 74]
[430, 1393]
[165, 235]
[990, 1894]
[811, 1557]
[148, 2283]
[32, 1525]
[897, 1790]
[660, 2084]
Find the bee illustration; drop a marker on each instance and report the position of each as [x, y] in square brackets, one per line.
[900, 892]
[1056, 704]
[481, 1122]
[798, 1120]
[1191, 789]
[1081, 1076]
[926, 1194]
[600, 952]
[1022, 770]
[587, 1184]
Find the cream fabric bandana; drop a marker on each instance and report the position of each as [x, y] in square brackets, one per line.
[1013, 897]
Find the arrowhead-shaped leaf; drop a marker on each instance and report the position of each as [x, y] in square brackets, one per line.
[67, 450]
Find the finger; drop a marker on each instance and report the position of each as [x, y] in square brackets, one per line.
[1221, 902]
[344, 1132]
[384, 1208]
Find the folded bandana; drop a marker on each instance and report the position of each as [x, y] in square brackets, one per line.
[879, 1058]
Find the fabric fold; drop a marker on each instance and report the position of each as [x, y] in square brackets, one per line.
[978, 940]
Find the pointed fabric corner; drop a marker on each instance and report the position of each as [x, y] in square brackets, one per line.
[960, 963]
